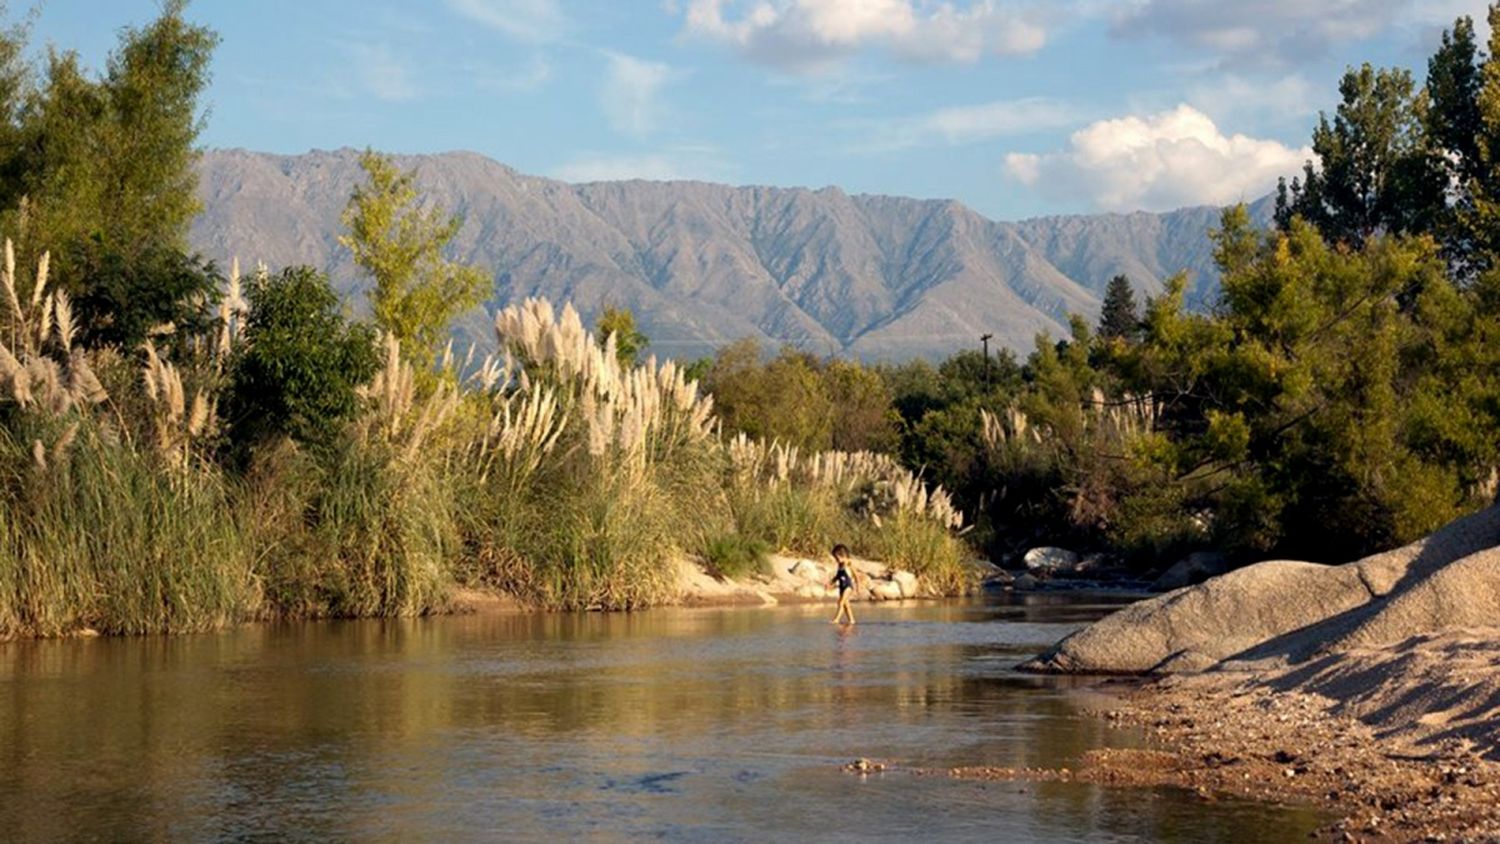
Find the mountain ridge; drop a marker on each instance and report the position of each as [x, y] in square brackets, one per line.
[702, 264]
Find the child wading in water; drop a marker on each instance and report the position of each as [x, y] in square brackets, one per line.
[847, 580]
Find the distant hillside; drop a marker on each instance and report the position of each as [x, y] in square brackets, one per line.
[702, 264]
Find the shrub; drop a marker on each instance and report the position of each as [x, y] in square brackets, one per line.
[297, 372]
[734, 556]
[923, 547]
[121, 299]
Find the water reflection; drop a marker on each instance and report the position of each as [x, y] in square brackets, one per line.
[684, 724]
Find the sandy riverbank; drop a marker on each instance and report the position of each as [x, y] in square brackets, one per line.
[792, 580]
[1400, 743]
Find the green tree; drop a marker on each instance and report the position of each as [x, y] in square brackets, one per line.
[110, 162]
[863, 418]
[298, 370]
[1479, 214]
[629, 341]
[785, 398]
[1452, 120]
[1374, 171]
[15, 87]
[1455, 127]
[99, 171]
[1119, 319]
[125, 299]
[417, 292]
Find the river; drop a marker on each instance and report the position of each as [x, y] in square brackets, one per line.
[676, 724]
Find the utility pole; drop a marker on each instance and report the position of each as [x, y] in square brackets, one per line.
[985, 340]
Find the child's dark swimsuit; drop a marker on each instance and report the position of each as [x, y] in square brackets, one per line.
[844, 581]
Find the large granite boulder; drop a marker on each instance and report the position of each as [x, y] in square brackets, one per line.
[1288, 611]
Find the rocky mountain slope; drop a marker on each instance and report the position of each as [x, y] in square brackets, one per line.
[702, 264]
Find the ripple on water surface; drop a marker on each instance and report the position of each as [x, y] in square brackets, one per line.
[677, 724]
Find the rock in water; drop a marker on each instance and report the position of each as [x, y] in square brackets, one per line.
[807, 570]
[885, 590]
[1194, 568]
[1288, 611]
[1050, 559]
[907, 582]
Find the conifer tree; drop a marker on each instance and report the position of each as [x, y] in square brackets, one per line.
[1119, 317]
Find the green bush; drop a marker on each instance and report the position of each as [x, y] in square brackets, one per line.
[119, 299]
[301, 362]
[735, 557]
[922, 547]
[803, 519]
[607, 543]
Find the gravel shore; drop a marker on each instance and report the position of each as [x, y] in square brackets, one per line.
[1400, 743]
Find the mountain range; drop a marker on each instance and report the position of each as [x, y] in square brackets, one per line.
[701, 265]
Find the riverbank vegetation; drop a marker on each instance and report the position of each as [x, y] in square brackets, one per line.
[1341, 396]
[182, 448]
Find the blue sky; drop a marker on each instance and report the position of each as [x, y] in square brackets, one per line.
[1015, 108]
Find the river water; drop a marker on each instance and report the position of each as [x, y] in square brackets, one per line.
[679, 724]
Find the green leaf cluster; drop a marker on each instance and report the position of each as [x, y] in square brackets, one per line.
[98, 170]
[297, 372]
[417, 292]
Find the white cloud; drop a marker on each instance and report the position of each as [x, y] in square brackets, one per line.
[1261, 31]
[812, 35]
[1444, 12]
[967, 124]
[523, 77]
[1286, 99]
[629, 94]
[527, 20]
[382, 72]
[1158, 162]
[696, 163]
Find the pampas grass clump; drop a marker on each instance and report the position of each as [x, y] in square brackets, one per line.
[553, 472]
[102, 538]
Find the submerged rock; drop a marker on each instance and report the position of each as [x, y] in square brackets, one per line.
[1194, 568]
[1288, 611]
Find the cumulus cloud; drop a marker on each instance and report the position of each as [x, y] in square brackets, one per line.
[811, 35]
[527, 20]
[629, 94]
[967, 124]
[1260, 31]
[1158, 162]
